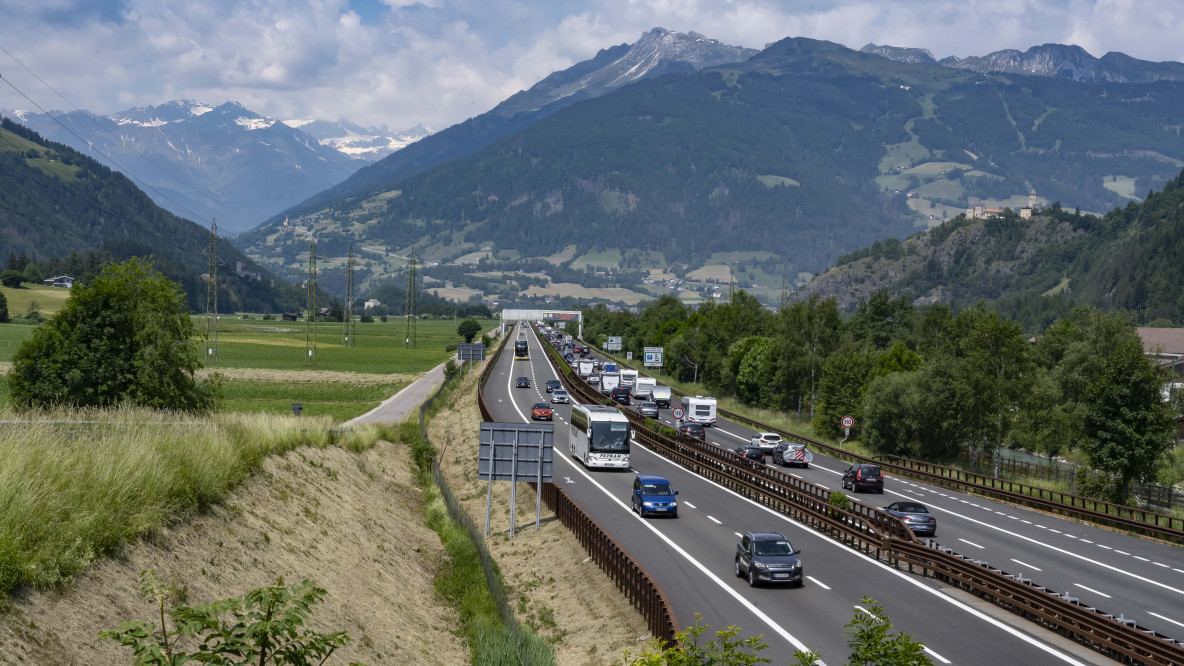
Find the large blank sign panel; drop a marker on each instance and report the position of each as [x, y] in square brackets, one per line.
[516, 451]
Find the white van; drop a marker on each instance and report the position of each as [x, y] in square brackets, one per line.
[661, 395]
[698, 409]
[628, 378]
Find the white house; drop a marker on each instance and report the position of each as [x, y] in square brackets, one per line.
[64, 281]
[372, 303]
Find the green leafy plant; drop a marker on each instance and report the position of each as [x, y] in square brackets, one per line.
[724, 650]
[871, 643]
[264, 626]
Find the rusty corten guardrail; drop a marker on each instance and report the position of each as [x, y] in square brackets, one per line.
[863, 529]
[630, 577]
[1118, 516]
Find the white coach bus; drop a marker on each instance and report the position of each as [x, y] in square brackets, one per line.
[599, 436]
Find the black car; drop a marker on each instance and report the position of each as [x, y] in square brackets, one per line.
[768, 557]
[863, 476]
[620, 395]
[693, 430]
[649, 409]
[553, 384]
[522, 382]
[915, 515]
[751, 453]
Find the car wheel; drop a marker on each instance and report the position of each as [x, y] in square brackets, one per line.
[806, 466]
[752, 576]
[674, 515]
[738, 573]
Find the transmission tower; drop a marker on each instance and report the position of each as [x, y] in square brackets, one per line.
[310, 323]
[784, 294]
[212, 298]
[409, 311]
[349, 327]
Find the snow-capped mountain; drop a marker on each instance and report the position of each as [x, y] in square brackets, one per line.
[368, 144]
[657, 52]
[221, 162]
[1070, 62]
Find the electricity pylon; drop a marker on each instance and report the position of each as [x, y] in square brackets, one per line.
[349, 328]
[212, 298]
[409, 311]
[310, 322]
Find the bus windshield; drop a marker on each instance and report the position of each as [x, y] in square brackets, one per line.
[609, 438]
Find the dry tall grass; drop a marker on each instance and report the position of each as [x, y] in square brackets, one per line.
[77, 484]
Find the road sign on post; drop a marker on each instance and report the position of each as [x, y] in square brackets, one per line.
[471, 352]
[513, 452]
[677, 412]
[653, 357]
[613, 344]
[848, 422]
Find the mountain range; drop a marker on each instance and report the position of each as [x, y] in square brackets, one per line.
[757, 171]
[221, 162]
[657, 52]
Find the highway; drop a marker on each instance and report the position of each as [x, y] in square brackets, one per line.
[691, 557]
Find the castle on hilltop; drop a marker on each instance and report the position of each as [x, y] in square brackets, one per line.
[977, 212]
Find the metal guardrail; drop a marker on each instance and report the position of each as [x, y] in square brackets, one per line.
[643, 593]
[1119, 638]
[1118, 516]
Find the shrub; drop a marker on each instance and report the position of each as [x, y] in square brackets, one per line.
[11, 279]
[367, 319]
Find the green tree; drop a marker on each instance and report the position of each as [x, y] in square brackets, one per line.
[840, 390]
[3, 309]
[890, 414]
[1128, 427]
[125, 337]
[995, 364]
[468, 329]
[12, 278]
[264, 626]
[809, 332]
[872, 645]
[944, 399]
[32, 274]
[756, 373]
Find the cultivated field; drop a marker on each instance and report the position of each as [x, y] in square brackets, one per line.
[48, 299]
[579, 291]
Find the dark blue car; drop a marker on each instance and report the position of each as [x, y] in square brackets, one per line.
[653, 496]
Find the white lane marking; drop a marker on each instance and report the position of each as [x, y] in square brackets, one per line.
[1165, 618]
[1122, 552]
[738, 535]
[686, 503]
[1014, 517]
[1140, 558]
[1161, 564]
[714, 520]
[1105, 546]
[1006, 628]
[1175, 569]
[970, 542]
[1041, 526]
[1025, 564]
[1001, 513]
[936, 655]
[1049, 546]
[1026, 522]
[781, 631]
[1055, 531]
[1086, 541]
[819, 583]
[1090, 589]
[1070, 536]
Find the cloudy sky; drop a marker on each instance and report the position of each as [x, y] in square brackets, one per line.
[437, 62]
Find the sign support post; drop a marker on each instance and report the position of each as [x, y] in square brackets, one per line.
[514, 485]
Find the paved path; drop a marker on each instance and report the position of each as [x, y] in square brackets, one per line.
[397, 407]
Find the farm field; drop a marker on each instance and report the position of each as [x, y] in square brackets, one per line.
[48, 299]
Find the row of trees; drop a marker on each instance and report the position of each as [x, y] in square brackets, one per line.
[925, 383]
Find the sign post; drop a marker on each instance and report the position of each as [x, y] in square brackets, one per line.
[613, 344]
[653, 358]
[513, 451]
[677, 412]
[847, 422]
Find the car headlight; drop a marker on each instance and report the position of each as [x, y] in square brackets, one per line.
[761, 565]
[647, 503]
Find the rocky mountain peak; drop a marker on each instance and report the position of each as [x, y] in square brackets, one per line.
[900, 53]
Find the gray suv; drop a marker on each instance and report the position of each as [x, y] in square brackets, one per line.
[768, 557]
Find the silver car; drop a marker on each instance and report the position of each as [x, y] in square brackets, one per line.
[560, 396]
[648, 409]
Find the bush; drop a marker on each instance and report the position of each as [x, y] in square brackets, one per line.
[383, 318]
[367, 319]
[268, 317]
[11, 279]
[839, 501]
[3, 309]
[450, 369]
[452, 347]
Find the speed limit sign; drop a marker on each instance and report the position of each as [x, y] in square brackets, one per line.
[848, 422]
[677, 411]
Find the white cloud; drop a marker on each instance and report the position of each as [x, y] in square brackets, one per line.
[438, 63]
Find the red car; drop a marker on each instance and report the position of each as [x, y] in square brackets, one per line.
[541, 412]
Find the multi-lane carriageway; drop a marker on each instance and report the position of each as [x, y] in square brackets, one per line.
[691, 557]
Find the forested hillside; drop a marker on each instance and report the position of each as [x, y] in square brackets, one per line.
[1031, 270]
[62, 209]
[807, 151]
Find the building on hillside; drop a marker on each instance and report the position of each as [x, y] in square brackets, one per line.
[63, 281]
[372, 303]
[1166, 345]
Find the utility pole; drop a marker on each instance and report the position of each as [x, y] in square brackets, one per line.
[212, 298]
[409, 311]
[349, 328]
[784, 294]
[310, 323]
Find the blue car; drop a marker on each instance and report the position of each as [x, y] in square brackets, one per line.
[652, 495]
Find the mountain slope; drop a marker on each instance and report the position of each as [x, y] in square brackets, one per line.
[368, 144]
[1132, 258]
[804, 152]
[658, 52]
[56, 202]
[1070, 62]
[225, 163]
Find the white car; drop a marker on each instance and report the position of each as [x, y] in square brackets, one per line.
[560, 396]
[766, 440]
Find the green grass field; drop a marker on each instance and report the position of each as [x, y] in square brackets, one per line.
[48, 299]
[339, 401]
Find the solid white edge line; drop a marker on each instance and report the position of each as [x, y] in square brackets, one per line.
[1090, 589]
[793, 640]
[970, 542]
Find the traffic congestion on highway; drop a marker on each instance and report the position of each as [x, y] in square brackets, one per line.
[696, 558]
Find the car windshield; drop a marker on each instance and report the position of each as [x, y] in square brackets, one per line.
[560, 392]
[542, 405]
[911, 508]
[773, 548]
[656, 489]
[610, 437]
